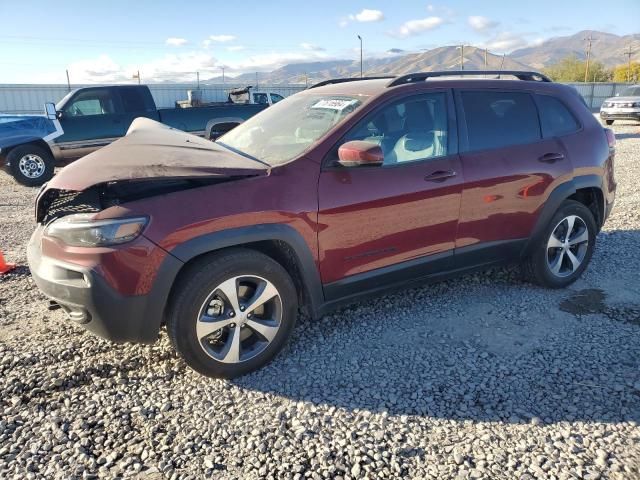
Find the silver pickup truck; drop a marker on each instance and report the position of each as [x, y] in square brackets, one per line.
[622, 107]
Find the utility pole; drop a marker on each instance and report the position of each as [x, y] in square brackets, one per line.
[589, 39]
[69, 83]
[628, 53]
[222, 67]
[256, 80]
[137, 75]
[361, 71]
[198, 80]
[461, 47]
[485, 58]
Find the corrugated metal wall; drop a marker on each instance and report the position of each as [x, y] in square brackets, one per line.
[31, 98]
[596, 93]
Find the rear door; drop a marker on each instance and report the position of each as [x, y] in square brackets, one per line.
[509, 170]
[91, 119]
[389, 223]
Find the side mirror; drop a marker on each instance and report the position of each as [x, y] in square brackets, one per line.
[50, 111]
[359, 153]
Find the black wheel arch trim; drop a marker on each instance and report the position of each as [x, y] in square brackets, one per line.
[235, 237]
[553, 202]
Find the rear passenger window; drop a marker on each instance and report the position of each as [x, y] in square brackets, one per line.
[498, 119]
[556, 119]
[132, 100]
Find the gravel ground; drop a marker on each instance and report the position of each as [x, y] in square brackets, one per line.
[480, 377]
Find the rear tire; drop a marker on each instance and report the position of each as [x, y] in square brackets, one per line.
[31, 165]
[565, 247]
[225, 337]
[609, 122]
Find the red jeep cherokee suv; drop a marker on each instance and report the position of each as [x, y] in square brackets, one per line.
[346, 189]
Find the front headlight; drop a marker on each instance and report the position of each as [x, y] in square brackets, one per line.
[80, 230]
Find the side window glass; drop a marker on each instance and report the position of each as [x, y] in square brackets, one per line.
[275, 98]
[132, 100]
[260, 98]
[497, 119]
[414, 128]
[556, 119]
[90, 103]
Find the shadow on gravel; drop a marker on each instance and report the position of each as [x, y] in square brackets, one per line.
[495, 350]
[622, 136]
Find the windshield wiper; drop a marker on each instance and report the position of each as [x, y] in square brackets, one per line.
[240, 152]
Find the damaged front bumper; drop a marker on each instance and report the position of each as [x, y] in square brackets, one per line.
[91, 302]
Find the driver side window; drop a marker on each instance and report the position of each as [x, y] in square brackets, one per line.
[414, 128]
[90, 103]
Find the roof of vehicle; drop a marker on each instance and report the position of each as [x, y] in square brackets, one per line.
[377, 87]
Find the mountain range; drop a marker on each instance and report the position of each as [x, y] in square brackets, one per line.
[607, 48]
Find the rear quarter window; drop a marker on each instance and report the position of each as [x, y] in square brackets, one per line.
[555, 117]
[497, 119]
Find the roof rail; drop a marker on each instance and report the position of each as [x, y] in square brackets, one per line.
[421, 76]
[344, 80]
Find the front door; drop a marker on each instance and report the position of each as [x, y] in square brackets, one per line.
[91, 119]
[384, 224]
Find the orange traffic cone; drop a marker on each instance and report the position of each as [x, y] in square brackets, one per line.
[4, 266]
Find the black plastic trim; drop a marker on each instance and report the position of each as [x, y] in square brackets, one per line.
[238, 237]
[552, 204]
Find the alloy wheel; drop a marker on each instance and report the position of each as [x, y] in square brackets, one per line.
[31, 166]
[239, 319]
[567, 246]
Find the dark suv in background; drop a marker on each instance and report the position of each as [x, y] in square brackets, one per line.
[343, 190]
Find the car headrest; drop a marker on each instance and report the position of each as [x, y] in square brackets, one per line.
[417, 141]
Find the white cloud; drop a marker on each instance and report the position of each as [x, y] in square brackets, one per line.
[175, 41]
[415, 27]
[222, 38]
[367, 15]
[235, 48]
[100, 69]
[311, 47]
[506, 42]
[481, 24]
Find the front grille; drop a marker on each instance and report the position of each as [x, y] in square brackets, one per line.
[56, 203]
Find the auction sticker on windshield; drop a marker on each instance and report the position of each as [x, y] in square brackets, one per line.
[338, 104]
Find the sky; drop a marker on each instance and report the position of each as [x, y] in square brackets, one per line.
[108, 41]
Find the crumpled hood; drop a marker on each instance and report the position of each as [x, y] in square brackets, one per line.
[15, 129]
[153, 150]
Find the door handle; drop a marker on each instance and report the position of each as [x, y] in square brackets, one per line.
[551, 157]
[440, 176]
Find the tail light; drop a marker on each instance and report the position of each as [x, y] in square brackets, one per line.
[611, 138]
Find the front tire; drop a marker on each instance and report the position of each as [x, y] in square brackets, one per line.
[31, 165]
[564, 249]
[232, 312]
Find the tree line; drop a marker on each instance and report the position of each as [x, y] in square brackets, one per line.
[572, 69]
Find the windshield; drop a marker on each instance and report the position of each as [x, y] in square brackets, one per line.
[285, 130]
[631, 92]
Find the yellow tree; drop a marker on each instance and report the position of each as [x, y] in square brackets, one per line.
[621, 72]
[571, 69]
